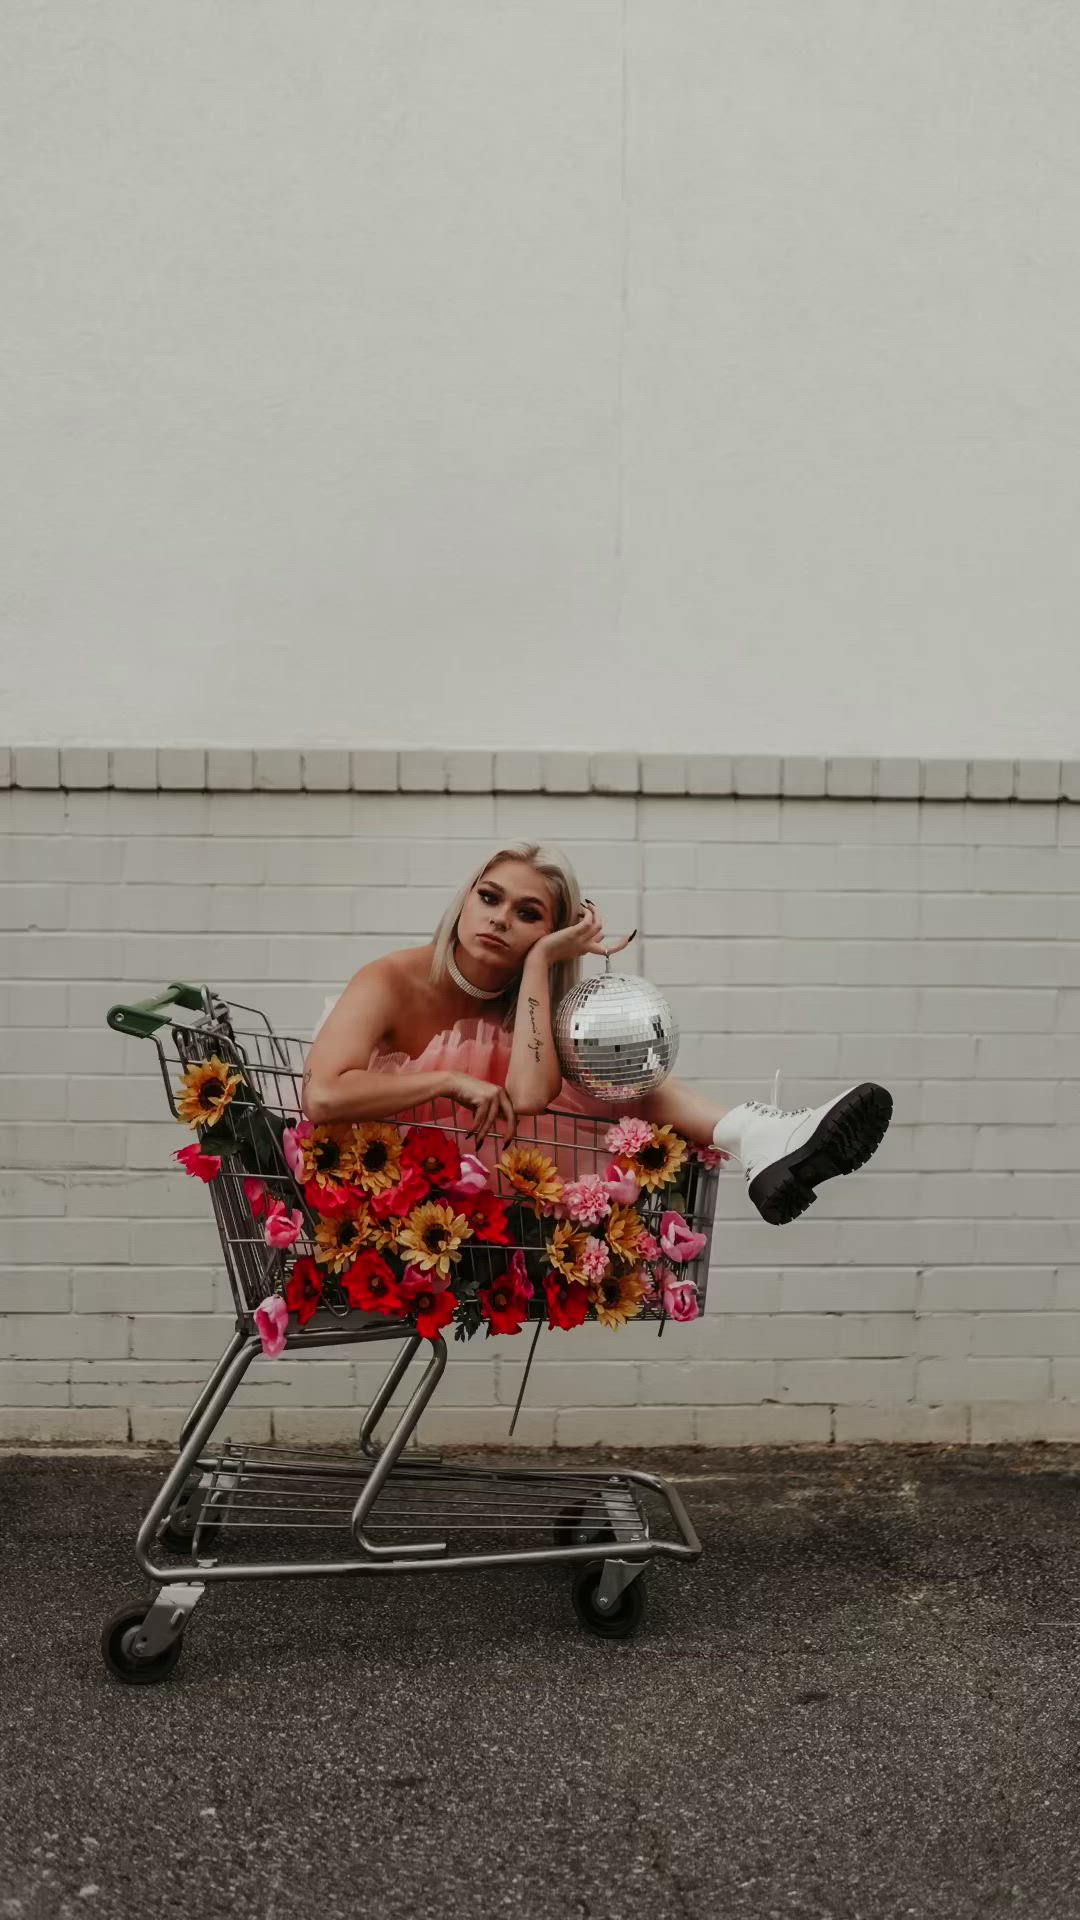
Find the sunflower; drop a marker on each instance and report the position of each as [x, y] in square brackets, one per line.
[377, 1152]
[565, 1249]
[208, 1087]
[657, 1164]
[532, 1174]
[623, 1229]
[328, 1157]
[432, 1236]
[339, 1238]
[618, 1297]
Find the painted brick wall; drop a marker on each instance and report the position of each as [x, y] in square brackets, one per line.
[917, 923]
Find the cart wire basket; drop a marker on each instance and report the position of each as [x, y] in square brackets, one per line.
[396, 1507]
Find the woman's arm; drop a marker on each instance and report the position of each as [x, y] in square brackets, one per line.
[533, 1076]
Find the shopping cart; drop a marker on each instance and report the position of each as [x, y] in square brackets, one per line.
[396, 1507]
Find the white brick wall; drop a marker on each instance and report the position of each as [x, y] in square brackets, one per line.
[930, 943]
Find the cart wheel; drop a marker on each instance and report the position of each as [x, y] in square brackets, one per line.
[179, 1530]
[611, 1623]
[117, 1636]
[569, 1530]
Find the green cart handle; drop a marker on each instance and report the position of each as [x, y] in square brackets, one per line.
[144, 1017]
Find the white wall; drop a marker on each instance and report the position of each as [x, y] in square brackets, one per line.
[711, 362]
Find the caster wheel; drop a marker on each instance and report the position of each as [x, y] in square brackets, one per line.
[570, 1529]
[117, 1649]
[178, 1533]
[617, 1622]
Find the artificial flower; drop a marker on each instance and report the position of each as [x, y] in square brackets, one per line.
[620, 1184]
[280, 1227]
[330, 1196]
[628, 1136]
[709, 1156]
[624, 1233]
[680, 1297]
[432, 1237]
[304, 1290]
[339, 1238]
[595, 1261]
[433, 1308]
[567, 1303]
[208, 1087]
[200, 1165]
[397, 1201]
[531, 1174]
[369, 1283]
[677, 1240]
[327, 1156]
[294, 1154]
[486, 1216]
[564, 1251]
[648, 1246]
[272, 1322]
[587, 1200]
[257, 1197]
[377, 1152]
[473, 1178]
[657, 1163]
[504, 1302]
[619, 1297]
[433, 1154]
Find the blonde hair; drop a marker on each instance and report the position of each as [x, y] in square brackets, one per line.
[554, 867]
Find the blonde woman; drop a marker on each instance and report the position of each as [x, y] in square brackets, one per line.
[468, 1018]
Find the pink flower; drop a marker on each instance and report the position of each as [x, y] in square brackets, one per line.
[200, 1165]
[621, 1184]
[709, 1156]
[415, 1280]
[272, 1320]
[594, 1260]
[678, 1240]
[282, 1228]
[587, 1200]
[628, 1136]
[257, 1197]
[473, 1177]
[292, 1149]
[680, 1297]
[648, 1248]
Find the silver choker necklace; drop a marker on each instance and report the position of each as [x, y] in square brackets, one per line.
[478, 993]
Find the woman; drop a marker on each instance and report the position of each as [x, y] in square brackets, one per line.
[511, 941]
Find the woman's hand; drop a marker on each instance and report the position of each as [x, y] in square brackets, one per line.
[487, 1102]
[586, 935]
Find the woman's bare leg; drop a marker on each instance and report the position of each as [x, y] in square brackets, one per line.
[681, 1107]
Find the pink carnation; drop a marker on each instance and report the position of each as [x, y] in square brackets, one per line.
[648, 1248]
[709, 1156]
[594, 1260]
[628, 1136]
[280, 1227]
[621, 1184]
[587, 1199]
[272, 1321]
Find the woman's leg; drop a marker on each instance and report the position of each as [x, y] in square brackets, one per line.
[681, 1107]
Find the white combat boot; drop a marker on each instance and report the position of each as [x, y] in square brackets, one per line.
[787, 1152]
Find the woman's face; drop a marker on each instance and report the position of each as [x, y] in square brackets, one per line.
[511, 902]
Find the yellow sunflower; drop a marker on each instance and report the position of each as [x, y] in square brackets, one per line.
[531, 1174]
[208, 1087]
[658, 1163]
[565, 1249]
[377, 1152]
[432, 1237]
[329, 1159]
[618, 1297]
[623, 1229]
[339, 1238]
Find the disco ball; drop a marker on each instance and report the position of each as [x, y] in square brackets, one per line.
[616, 1036]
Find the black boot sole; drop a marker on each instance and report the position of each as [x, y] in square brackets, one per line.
[846, 1137]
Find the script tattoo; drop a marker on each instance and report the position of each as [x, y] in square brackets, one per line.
[536, 1045]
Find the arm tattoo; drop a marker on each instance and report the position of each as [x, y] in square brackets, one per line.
[536, 1045]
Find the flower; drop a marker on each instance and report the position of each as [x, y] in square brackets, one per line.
[294, 1155]
[331, 1196]
[620, 1184]
[594, 1261]
[200, 1165]
[338, 1239]
[567, 1303]
[531, 1174]
[370, 1284]
[709, 1156]
[486, 1217]
[327, 1158]
[657, 1163]
[677, 1240]
[433, 1154]
[504, 1302]
[432, 1236]
[565, 1250]
[473, 1178]
[433, 1308]
[304, 1291]
[208, 1087]
[280, 1227]
[648, 1247]
[257, 1197]
[619, 1298]
[628, 1136]
[400, 1199]
[624, 1233]
[377, 1152]
[680, 1297]
[272, 1321]
[587, 1199]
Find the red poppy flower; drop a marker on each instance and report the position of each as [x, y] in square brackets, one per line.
[396, 1202]
[433, 1310]
[486, 1215]
[304, 1290]
[433, 1154]
[505, 1301]
[568, 1303]
[201, 1166]
[329, 1197]
[369, 1283]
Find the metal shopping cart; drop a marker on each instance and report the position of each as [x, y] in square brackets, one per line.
[395, 1507]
